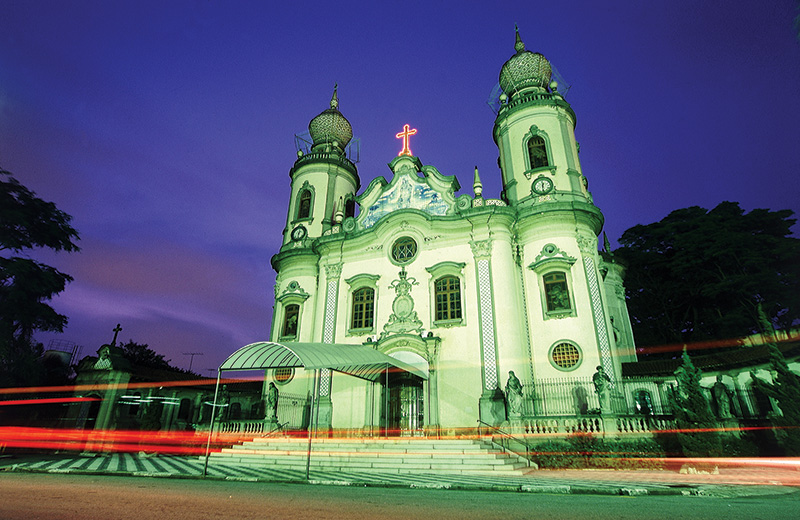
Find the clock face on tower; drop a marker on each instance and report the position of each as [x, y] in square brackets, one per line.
[299, 233]
[542, 186]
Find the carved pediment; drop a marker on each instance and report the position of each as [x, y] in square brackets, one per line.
[431, 193]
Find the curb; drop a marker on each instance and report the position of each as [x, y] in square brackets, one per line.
[562, 489]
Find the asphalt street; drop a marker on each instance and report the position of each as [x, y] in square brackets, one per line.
[32, 496]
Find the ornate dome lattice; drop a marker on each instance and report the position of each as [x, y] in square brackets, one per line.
[524, 70]
[331, 126]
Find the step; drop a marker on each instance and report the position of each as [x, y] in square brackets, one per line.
[452, 456]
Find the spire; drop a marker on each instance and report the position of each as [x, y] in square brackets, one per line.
[335, 97]
[477, 187]
[518, 45]
[606, 244]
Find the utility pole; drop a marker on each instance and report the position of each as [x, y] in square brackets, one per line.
[193, 354]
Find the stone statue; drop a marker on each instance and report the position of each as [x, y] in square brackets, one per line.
[722, 398]
[224, 402]
[602, 387]
[514, 396]
[272, 403]
[104, 362]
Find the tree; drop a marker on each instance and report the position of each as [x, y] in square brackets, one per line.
[697, 427]
[700, 275]
[143, 356]
[27, 223]
[785, 389]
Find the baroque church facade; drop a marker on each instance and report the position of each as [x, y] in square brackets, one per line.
[466, 288]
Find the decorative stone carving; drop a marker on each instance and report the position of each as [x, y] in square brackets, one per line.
[481, 248]
[333, 271]
[293, 289]
[587, 244]
[403, 318]
[551, 254]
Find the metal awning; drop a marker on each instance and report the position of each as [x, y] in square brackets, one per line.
[356, 360]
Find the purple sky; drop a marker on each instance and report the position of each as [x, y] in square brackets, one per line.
[167, 128]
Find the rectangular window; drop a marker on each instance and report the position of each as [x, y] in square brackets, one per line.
[448, 298]
[363, 308]
[290, 317]
[556, 292]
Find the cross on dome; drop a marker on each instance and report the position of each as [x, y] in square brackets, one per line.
[404, 135]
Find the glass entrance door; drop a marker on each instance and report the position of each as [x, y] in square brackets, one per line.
[406, 407]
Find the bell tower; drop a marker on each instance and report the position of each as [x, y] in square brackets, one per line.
[324, 180]
[535, 133]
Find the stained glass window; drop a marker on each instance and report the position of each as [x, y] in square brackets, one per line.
[290, 317]
[537, 152]
[556, 292]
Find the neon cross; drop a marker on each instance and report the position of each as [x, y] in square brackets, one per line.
[404, 135]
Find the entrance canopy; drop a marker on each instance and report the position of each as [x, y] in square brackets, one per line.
[356, 360]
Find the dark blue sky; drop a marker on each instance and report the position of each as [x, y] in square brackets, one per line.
[167, 128]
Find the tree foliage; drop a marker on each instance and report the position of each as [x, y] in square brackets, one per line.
[143, 356]
[785, 390]
[28, 223]
[699, 275]
[697, 427]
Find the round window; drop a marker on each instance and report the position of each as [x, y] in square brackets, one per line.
[565, 356]
[283, 375]
[404, 250]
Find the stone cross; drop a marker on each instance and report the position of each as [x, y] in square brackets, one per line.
[404, 135]
[117, 330]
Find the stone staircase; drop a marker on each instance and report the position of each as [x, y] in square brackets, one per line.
[384, 455]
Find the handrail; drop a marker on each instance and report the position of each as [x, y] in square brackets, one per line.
[504, 435]
[278, 428]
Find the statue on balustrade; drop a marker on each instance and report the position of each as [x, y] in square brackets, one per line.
[602, 387]
[722, 398]
[514, 396]
[272, 403]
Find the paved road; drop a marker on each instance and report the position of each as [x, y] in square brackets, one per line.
[33, 496]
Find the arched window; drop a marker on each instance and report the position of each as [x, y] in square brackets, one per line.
[291, 315]
[304, 204]
[185, 409]
[643, 402]
[556, 292]
[448, 298]
[537, 152]
[363, 308]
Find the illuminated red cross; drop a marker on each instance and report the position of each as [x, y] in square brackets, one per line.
[404, 135]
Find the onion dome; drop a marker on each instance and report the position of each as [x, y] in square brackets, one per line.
[331, 127]
[524, 70]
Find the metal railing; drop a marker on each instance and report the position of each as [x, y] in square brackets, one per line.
[505, 441]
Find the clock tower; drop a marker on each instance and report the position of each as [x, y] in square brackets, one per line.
[324, 181]
[535, 134]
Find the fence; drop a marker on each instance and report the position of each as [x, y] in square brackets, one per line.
[647, 397]
[577, 397]
[292, 415]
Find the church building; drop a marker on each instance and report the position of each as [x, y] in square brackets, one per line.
[480, 294]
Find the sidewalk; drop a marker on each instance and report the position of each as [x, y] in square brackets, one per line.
[753, 480]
